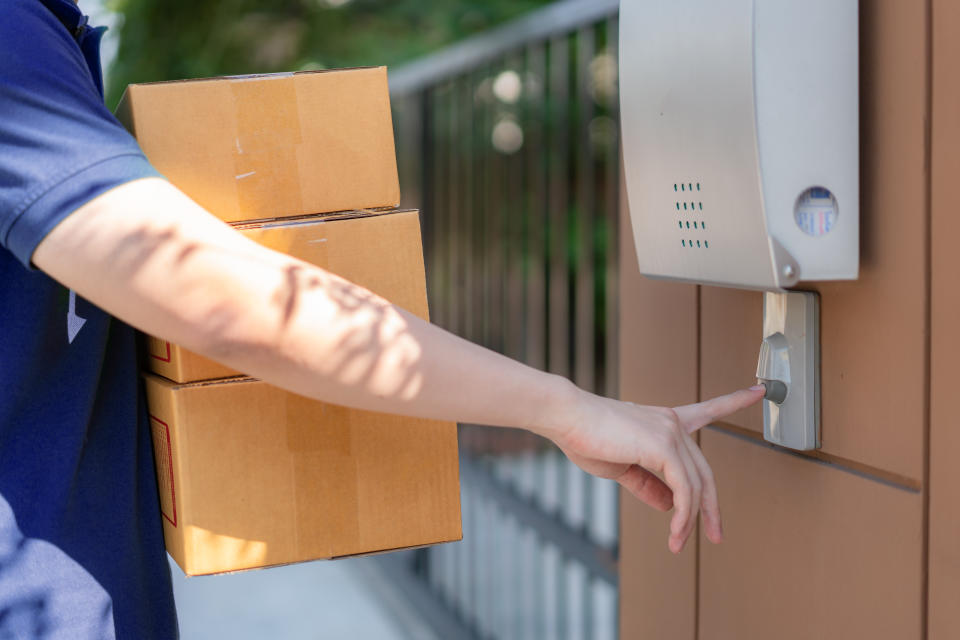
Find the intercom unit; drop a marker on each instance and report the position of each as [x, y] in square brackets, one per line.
[740, 139]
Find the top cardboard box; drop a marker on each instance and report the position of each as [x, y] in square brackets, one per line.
[267, 146]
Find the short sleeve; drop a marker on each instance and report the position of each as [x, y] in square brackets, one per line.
[59, 145]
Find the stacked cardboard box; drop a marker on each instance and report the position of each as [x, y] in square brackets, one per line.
[251, 475]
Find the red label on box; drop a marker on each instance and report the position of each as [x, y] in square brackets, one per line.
[163, 457]
[159, 349]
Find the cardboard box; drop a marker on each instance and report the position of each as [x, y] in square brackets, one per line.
[265, 146]
[252, 476]
[381, 251]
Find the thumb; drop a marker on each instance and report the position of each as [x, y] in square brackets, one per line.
[696, 416]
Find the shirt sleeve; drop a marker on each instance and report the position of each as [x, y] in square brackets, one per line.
[59, 145]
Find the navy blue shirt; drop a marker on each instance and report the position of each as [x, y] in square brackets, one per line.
[81, 544]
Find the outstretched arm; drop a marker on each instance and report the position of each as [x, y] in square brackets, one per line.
[152, 257]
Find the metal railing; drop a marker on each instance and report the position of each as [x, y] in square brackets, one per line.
[508, 143]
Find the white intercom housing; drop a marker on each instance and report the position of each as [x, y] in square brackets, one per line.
[740, 127]
[740, 124]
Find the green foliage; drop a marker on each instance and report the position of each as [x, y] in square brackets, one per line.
[172, 39]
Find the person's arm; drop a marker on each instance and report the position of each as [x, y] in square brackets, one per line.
[152, 257]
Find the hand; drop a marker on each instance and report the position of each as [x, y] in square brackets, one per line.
[630, 443]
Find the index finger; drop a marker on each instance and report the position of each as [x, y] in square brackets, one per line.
[696, 416]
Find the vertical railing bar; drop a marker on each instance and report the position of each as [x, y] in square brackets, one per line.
[409, 122]
[479, 144]
[444, 202]
[540, 588]
[438, 568]
[449, 579]
[536, 210]
[587, 617]
[478, 568]
[412, 193]
[600, 143]
[460, 560]
[481, 149]
[428, 212]
[475, 547]
[497, 236]
[464, 164]
[484, 604]
[469, 211]
[438, 257]
[515, 598]
[441, 208]
[584, 213]
[499, 242]
[491, 603]
[492, 285]
[452, 209]
[471, 533]
[520, 629]
[513, 257]
[506, 574]
[612, 353]
[478, 527]
[556, 607]
[547, 622]
[563, 600]
[559, 357]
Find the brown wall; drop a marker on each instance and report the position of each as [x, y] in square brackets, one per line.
[944, 531]
[832, 544]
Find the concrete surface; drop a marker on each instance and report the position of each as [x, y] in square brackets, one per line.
[329, 600]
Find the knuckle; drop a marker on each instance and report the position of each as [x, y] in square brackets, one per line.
[669, 416]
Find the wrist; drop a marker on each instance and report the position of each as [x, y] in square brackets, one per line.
[561, 409]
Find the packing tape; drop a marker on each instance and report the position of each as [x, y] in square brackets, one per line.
[266, 167]
[320, 436]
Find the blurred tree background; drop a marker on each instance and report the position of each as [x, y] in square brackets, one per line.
[173, 39]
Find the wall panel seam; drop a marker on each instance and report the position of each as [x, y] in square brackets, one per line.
[869, 473]
[696, 563]
[928, 318]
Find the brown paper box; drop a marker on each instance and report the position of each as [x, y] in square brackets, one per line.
[380, 251]
[265, 146]
[253, 476]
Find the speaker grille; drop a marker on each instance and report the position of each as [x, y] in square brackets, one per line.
[690, 214]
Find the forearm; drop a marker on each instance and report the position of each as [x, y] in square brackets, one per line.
[374, 355]
[174, 271]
